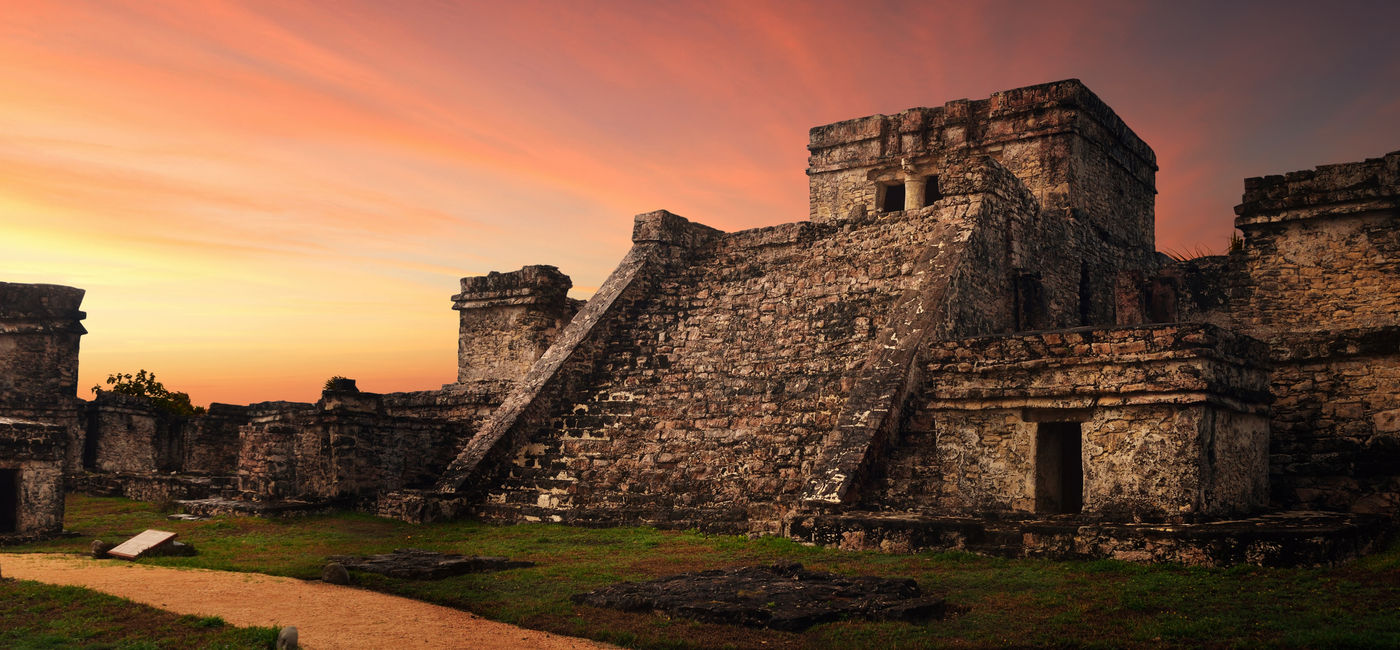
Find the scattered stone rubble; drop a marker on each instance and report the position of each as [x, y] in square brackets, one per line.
[418, 564]
[972, 335]
[782, 597]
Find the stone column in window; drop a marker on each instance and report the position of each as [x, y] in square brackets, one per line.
[914, 192]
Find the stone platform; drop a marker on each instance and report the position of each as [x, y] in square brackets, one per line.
[1296, 538]
[244, 508]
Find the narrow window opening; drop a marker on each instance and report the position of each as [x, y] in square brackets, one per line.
[893, 199]
[1086, 299]
[1059, 468]
[1031, 311]
[94, 430]
[9, 500]
[931, 191]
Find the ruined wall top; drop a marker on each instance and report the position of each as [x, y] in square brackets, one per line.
[530, 285]
[1057, 107]
[40, 307]
[1347, 188]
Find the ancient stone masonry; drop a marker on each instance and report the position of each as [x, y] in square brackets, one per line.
[31, 479]
[971, 343]
[508, 320]
[1161, 423]
[40, 325]
[39, 429]
[1317, 277]
[345, 449]
[1092, 176]
[126, 434]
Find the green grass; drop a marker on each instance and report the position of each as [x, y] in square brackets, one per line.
[1000, 601]
[34, 615]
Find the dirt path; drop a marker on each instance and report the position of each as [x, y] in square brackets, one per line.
[326, 616]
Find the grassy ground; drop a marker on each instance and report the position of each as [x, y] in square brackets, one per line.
[1001, 602]
[34, 615]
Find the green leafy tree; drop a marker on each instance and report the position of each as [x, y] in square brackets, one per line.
[144, 384]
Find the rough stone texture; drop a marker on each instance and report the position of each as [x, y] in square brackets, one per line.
[39, 428]
[1318, 279]
[754, 317]
[782, 597]
[1082, 164]
[40, 326]
[344, 449]
[335, 573]
[1296, 538]
[1173, 420]
[211, 441]
[156, 488]
[125, 433]
[508, 320]
[418, 564]
[31, 458]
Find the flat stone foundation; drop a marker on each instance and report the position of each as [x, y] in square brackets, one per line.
[155, 488]
[1298, 538]
[243, 508]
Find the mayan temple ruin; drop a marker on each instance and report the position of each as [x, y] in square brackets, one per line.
[971, 342]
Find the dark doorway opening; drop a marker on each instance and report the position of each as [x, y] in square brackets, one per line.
[94, 430]
[9, 500]
[893, 198]
[931, 191]
[1059, 468]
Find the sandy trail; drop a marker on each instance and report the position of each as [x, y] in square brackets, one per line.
[326, 616]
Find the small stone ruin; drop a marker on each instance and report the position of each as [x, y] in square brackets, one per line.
[418, 564]
[781, 597]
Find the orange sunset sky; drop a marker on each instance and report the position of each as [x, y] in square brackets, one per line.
[259, 195]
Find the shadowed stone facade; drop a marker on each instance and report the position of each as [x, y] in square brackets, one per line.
[971, 343]
[40, 435]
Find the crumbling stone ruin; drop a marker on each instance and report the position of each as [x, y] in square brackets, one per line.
[40, 325]
[971, 342]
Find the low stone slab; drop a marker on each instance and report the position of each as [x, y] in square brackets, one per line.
[782, 597]
[418, 564]
[141, 544]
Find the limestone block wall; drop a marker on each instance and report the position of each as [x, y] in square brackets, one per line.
[125, 433]
[1318, 278]
[509, 319]
[1087, 170]
[466, 402]
[344, 448]
[1336, 421]
[267, 452]
[31, 478]
[40, 327]
[1170, 423]
[716, 389]
[211, 441]
[355, 450]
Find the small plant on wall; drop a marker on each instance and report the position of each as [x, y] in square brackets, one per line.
[144, 384]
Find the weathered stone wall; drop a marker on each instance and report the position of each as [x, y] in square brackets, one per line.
[1336, 421]
[350, 449]
[266, 453]
[125, 433]
[1085, 168]
[39, 333]
[468, 403]
[508, 320]
[211, 440]
[1318, 278]
[32, 453]
[716, 388]
[1172, 418]
[345, 448]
